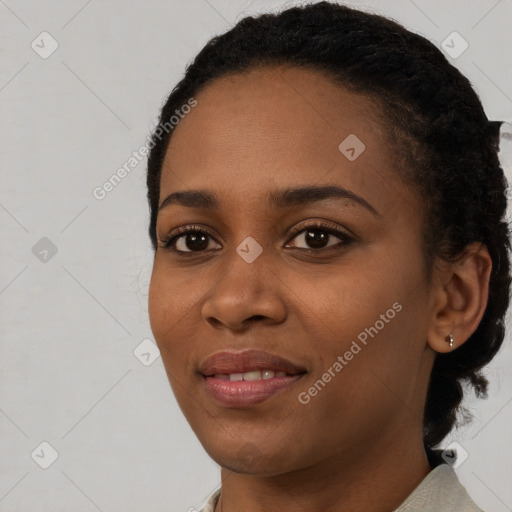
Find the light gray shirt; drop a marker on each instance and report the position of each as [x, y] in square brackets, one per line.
[439, 491]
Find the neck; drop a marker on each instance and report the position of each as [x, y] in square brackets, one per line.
[374, 479]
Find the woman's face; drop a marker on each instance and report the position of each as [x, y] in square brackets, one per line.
[348, 312]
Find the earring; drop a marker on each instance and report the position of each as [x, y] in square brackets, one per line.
[449, 339]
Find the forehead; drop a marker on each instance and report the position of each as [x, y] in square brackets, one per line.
[276, 127]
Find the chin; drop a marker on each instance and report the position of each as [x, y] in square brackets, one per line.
[253, 458]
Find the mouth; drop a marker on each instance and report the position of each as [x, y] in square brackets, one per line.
[251, 375]
[247, 378]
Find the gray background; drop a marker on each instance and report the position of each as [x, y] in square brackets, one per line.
[70, 321]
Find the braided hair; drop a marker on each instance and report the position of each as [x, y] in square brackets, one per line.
[446, 149]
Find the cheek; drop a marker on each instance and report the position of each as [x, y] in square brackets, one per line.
[167, 309]
[363, 311]
[340, 305]
[158, 306]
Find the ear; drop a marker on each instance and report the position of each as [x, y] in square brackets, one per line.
[459, 297]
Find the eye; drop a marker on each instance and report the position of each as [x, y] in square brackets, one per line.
[187, 239]
[317, 236]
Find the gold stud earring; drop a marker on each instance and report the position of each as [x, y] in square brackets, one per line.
[449, 339]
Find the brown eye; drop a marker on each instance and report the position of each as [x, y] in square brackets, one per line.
[195, 241]
[188, 239]
[318, 237]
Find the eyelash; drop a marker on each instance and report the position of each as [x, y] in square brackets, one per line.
[346, 240]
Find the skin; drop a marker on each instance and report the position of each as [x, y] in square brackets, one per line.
[279, 127]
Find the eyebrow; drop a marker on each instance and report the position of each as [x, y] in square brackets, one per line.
[284, 198]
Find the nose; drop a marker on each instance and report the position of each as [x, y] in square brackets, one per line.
[246, 292]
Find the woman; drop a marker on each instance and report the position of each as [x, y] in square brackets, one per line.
[331, 260]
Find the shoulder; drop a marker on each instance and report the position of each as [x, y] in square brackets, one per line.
[211, 502]
[439, 490]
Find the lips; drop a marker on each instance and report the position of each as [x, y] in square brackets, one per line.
[247, 378]
[227, 363]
